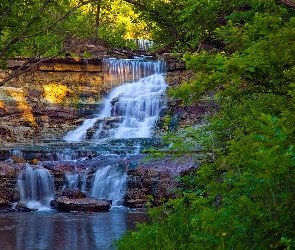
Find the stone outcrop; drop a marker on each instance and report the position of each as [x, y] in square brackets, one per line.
[152, 182]
[149, 186]
[45, 103]
[73, 200]
[65, 204]
[8, 183]
[54, 98]
[58, 95]
[155, 182]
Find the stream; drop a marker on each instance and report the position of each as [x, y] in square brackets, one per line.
[54, 230]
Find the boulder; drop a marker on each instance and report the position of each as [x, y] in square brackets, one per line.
[66, 204]
[22, 207]
[73, 194]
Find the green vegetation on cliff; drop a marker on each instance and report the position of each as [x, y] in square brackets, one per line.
[243, 198]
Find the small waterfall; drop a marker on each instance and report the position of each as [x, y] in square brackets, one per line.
[36, 187]
[110, 183]
[84, 180]
[131, 109]
[118, 72]
[72, 181]
[66, 155]
[16, 152]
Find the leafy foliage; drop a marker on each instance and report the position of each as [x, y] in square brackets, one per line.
[244, 197]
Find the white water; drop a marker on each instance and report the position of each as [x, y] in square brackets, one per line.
[131, 109]
[36, 187]
[109, 183]
[66, 155]
[118, 72]
[72, 181]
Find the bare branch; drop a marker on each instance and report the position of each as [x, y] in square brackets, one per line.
[8, 10]
[31, 63]
[30, 22]
[289, 3]
[156, 13]
[71, 11]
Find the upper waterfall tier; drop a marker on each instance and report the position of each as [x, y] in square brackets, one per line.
[118, 72]
[131, 109]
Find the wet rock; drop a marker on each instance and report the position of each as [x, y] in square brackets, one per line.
[104, 124]
[155, 181]
[115, 100]
[22, 207]
[73, 194]
[16, 159]
[8, 183]
[66, 204]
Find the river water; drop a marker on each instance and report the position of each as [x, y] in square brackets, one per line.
[61, 231]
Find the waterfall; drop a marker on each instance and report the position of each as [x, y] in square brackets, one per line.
[84, 180]
[131, 109]
[72, 181]
[118, 72]
[110, 183]
[36, 187]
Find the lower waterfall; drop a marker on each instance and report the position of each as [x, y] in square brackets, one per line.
[36, 187]
[110, 184]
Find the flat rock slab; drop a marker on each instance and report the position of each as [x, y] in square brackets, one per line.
[65, 204]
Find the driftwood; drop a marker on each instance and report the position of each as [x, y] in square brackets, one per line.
[290, 3]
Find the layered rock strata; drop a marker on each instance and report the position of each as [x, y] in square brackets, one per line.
[58, 95]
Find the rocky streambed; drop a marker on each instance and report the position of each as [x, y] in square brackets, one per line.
[154, 181]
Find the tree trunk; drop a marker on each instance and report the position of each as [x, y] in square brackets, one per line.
[290, 3]
[97, 20]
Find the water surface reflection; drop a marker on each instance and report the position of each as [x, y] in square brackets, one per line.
[53, 230]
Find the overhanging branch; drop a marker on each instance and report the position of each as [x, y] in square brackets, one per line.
[289, 3]
[156, 13]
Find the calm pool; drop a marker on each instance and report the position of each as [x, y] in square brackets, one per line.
[54, 230]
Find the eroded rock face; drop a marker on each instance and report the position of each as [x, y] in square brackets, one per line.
[58, 95]
[152, 182]
[46, 103]
[150, 186]
[8, 183]
[155, 181]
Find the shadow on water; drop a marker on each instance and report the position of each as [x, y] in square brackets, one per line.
[53, 230]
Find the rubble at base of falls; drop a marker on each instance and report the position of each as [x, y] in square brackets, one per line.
[146, 180]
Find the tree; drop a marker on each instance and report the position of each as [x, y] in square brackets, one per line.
[243, 198]
[35, 29]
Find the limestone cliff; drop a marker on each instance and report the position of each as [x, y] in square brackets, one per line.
[45, 103]
[55, 97]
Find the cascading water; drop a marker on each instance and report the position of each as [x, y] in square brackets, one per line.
[118, 72]
[109, 183]
[36, 187]
[72, 181]
[131, 109]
